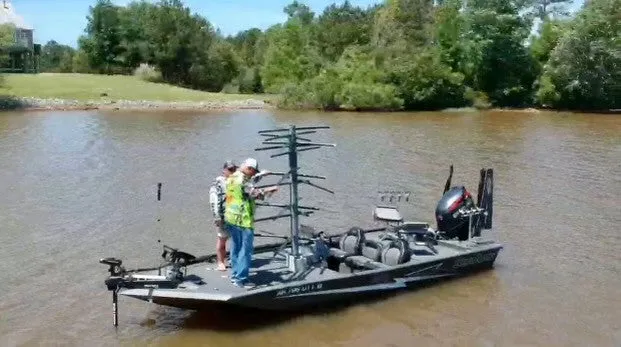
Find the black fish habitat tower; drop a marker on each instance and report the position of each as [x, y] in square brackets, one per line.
[292, 143]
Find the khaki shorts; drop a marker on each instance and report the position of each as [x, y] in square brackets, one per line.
[222, 232]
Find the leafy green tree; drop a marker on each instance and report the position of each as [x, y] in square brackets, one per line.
[135, 27]
[56, 57]
[102, 42]
[340, 26]
[290, 56]
[403, 23]
[245, 43]
[495, 34]
[424, 82]
[449, 27]
[7, 35]
[299, 11]
[400, 54]
[544, 44]
[583, 71]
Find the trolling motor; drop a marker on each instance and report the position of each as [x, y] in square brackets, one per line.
[174, 260]
[113, 283]
[119, 277]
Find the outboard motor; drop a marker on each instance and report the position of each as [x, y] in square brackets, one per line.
[455, 200]
[451, 223]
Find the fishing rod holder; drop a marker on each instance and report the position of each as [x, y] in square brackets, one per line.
[470, 213]
[397, 196]
[289, 141]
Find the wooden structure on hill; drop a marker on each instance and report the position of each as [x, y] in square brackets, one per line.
[18, 52]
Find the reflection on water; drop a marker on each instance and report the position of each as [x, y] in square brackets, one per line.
[79, 186]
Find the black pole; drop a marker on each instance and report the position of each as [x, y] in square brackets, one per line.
[115, 308]
[293, 196]
[159, 198]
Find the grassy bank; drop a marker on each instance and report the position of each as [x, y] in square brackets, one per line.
[59, 90]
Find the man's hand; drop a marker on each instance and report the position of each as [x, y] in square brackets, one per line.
[270, 190]
[256, 178]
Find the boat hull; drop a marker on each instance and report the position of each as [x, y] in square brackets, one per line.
[341, 288]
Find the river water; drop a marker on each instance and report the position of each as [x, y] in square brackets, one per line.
[79, 186]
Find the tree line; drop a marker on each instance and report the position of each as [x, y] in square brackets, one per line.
[397, 55]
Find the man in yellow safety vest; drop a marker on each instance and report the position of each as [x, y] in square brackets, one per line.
[239, 217]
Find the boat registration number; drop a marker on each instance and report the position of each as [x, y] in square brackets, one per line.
[300, 289]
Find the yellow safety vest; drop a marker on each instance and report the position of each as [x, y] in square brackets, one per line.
[239, 207]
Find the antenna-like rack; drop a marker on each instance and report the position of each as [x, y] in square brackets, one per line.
[289, 140]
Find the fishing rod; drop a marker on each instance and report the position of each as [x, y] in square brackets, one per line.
[159, 216]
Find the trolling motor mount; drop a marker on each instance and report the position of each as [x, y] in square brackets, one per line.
[176, 259]
[176, 256]
[114, 264]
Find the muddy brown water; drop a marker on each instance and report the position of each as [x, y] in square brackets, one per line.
[79, 186]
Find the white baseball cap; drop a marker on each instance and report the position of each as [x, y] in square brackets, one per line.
[251, 162]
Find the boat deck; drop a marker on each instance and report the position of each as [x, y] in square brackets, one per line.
[265, 270]
[204, 281]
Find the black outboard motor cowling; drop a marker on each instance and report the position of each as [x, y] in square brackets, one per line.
[450, 223]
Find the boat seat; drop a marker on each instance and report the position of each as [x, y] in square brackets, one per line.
[372, 249]
[358, 261]
[352, 241]
[396, 252]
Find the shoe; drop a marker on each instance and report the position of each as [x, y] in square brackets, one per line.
[246, 284]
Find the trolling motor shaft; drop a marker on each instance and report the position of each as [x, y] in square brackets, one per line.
[113, 282]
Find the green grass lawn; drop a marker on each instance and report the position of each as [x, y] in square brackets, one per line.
[84, 87]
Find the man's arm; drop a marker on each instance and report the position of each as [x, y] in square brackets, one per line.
[216, 198]
[257, 193]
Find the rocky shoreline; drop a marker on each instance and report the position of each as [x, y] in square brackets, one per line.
[41, 104]
[11, 103]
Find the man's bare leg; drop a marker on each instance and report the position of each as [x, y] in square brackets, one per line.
[221, 253]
